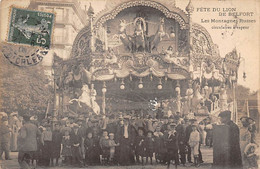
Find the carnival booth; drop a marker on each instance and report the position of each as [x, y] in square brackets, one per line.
[135, 54]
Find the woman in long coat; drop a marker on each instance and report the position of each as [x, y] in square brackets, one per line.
[245, 139]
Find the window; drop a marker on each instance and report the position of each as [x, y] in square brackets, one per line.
[59, 14]
[58, 35]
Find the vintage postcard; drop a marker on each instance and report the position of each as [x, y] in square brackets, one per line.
[129, 84]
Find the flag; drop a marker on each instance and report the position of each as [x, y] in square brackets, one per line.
[47, 110]
[245, 109]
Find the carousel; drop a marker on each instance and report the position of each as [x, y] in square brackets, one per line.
[145, 55]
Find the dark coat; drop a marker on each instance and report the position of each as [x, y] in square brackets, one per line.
[172, 146]
[66, 150]
[171, 141]
[235, 161]
[56, 143]
[28, 137]
[90, 154]
[4, 133]
[75, 138]
[120, 133]
[149, 146]
[139, 145]
[187, 133]
[126, 156]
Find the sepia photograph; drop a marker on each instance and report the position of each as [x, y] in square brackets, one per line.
[129, 84]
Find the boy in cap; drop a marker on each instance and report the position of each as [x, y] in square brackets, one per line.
[194, 141]
[139, 145]
[149, 147]
[112, 147]
[66, 147]
[159, 148]
[103, 143]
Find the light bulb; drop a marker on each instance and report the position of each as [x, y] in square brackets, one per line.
[177, 89]
[140, 85]
[206, 87]
[122, 87]
[159, 86]
[172, 35]
[104, 90]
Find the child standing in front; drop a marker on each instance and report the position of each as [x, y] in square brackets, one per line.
[149, 147]
[89, 149]
[194, 144]
[112, 147]
[139, 146]
[66, 147]
[251, 154]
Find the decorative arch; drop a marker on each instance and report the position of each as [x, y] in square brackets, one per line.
[82, 36]
[175, 13]
[201, 29]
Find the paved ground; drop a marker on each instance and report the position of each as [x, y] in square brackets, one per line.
[206, 152]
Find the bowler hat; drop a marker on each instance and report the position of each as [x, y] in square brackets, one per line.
[193, 119]
[249, 118]
[111, 134]
[194, 125]
[141, 128]
[172, 124]
[14, 114]
[243, 118]
[127, 117]
[75, 125]
[226, 113]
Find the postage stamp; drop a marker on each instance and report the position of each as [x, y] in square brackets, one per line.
[30, 27]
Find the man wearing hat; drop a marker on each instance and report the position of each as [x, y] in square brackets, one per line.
[125, 138]
[77, 143]
[252, 129]
[180, 128]
[235, 160]
[171, 141]
[27, 139]
[187, 135]
[14, 123]
[4, 138]
[47, 145]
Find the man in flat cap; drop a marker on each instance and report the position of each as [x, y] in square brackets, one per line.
[235, 160]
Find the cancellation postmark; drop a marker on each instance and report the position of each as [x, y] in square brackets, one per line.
[30, 27]
[20, 55]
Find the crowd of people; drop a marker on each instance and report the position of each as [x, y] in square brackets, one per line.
[121, 139]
